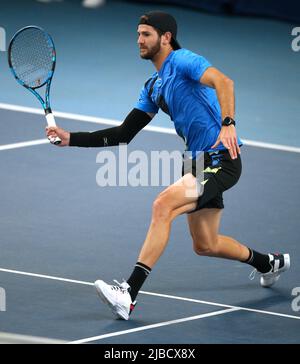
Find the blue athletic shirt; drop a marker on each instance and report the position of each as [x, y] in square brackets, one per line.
[192, 106]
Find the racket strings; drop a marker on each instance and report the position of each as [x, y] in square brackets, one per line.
[32, 57]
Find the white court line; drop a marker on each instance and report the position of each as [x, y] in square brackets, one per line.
[78, 117]
[45, 276]
[153, 326]
[97, 120]
[8, 338]
[283, 148]
[154, 294]
[24, 144]
[221, 305]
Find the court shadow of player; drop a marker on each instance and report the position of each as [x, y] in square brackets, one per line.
[277, 296]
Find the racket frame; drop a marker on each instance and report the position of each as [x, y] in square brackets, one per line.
[45, 103]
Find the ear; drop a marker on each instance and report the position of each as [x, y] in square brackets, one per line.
[166, 38]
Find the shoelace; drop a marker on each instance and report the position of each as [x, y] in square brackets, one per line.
[125, 290]
[252, 274]
[272, 262]
[120, 286]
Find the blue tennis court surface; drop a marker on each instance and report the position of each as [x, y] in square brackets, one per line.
[60, 232]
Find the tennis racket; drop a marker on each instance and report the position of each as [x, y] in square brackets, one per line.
[32, 58]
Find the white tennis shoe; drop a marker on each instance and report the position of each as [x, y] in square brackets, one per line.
[280, 263]
[117, 297]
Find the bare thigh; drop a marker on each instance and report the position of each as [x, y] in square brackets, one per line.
[178, 198]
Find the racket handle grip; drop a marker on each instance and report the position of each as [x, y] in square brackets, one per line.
[51, 122]
[50, 119]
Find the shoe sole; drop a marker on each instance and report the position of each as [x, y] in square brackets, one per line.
[105, 300]
[287, 264]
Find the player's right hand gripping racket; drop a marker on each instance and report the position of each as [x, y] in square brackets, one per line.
[31, 58]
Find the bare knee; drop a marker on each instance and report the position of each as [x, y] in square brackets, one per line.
[205, 247]
[161, 210]
[202, 249]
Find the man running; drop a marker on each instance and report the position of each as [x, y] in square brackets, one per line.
[200, 101]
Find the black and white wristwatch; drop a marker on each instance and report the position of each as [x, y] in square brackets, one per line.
[228, 121]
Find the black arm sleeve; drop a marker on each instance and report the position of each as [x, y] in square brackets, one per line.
[135, 121]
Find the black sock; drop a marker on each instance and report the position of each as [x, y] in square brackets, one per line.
[137, 279]
[259, 261]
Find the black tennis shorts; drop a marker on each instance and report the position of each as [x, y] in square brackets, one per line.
[220, 173]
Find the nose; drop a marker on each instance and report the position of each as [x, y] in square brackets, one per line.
[140, 40]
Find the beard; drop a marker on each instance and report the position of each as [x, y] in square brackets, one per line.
[150, 53]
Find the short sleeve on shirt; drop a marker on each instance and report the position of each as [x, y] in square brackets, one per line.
[191, 64]
[145, 103]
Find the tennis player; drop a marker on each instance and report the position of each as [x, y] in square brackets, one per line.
[200, 101]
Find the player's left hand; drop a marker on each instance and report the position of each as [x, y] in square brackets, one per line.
[228, 138]
[55, 131]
